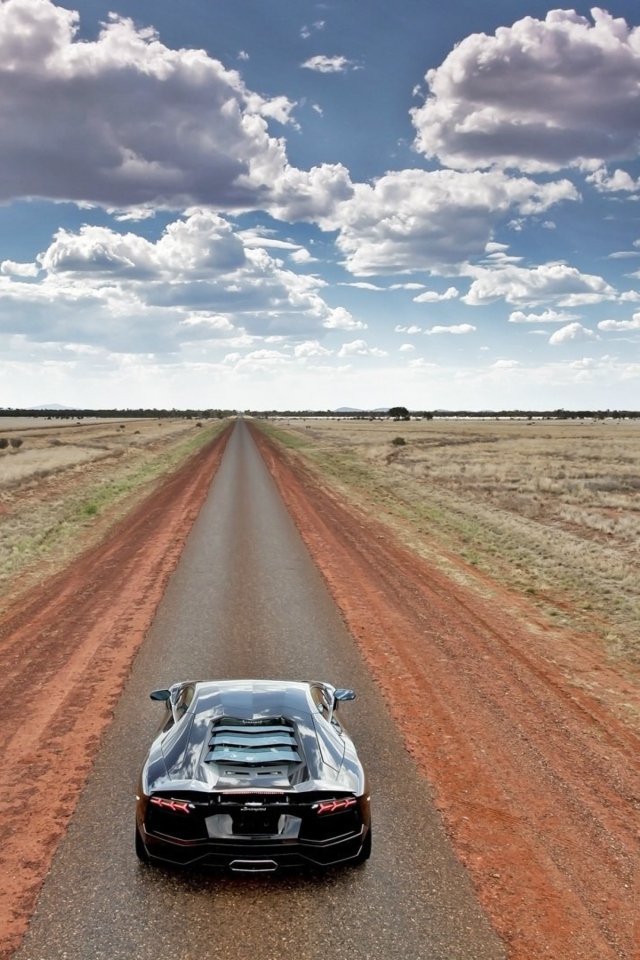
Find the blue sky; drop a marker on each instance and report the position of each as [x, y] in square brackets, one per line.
[284, 204]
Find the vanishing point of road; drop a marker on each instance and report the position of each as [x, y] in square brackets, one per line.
[247, 601]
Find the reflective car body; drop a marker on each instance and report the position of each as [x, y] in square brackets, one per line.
[253, 775]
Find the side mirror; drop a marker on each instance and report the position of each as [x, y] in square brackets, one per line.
[160, 694]
[338, 697]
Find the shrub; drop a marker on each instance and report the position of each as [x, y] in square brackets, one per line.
[4, 443]
[16, 442]
[398, 441]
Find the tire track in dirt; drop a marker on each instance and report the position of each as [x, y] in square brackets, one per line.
[538, 783]
[65, 654]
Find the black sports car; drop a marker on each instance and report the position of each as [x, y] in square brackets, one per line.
[253, 775]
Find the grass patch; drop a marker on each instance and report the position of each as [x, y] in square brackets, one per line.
[50, 518]
[549, 509]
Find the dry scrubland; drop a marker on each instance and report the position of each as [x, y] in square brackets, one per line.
[550, 509]
[68, 482]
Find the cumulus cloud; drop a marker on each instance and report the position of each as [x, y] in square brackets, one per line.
[166, 127]
[257, 361]
[572, 332]
[538, 96]
[198, 281]
[323, 64]
[547, 316]
[456, 328]
[302, 256]
[506, 364]
[359, 348]
[432, 296]
[310, 195]
[418, 219]
[549, 281]
[340, 319]
[618, 182]
[310, 348]
[12, 269]
[406, 348]
[633, 324]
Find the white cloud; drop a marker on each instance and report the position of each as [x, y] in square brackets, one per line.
[406, 348]
[309, 195]
[418, 219]
[421, 364]
[547, 316]
[302, 256]
[12, 269]
[197, 282]
[406, 286]
[340, 319]
[457, 328]
[432, 296]
[633, 324]
[506, 364]
[572, 332]
[549, 281]
[359, 348]
[166, 128]
[323, 64]
[619, 182]
[310, 348]
[412, 329]
[540, 95]
[306, 31]
[257, 361]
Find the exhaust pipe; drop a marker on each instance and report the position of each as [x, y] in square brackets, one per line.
[253, 866]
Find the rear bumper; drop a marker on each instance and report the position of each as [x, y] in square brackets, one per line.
[254, 856]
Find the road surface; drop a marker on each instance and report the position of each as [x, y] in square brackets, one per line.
[246, 600]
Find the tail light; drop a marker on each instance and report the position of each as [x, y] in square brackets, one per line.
[333, 806]
[177, 806]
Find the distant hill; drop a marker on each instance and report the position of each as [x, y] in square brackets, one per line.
[358, 410]
[51, 406]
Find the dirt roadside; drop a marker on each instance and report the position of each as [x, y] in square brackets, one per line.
[538, 782]
[66, 646]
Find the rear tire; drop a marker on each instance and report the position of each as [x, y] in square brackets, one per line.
[141, 850]
[365, 851]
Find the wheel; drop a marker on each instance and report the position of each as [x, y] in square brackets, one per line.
[365, 852]
[141, 850]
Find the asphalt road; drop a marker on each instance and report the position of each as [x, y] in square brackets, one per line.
[246, 600]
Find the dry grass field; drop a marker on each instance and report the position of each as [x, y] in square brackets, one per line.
[63, 483]
[547, 508]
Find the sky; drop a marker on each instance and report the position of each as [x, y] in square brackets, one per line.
[282, 204]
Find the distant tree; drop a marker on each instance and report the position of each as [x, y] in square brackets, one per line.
[399, 413]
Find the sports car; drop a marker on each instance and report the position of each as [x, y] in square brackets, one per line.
[253, 776]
